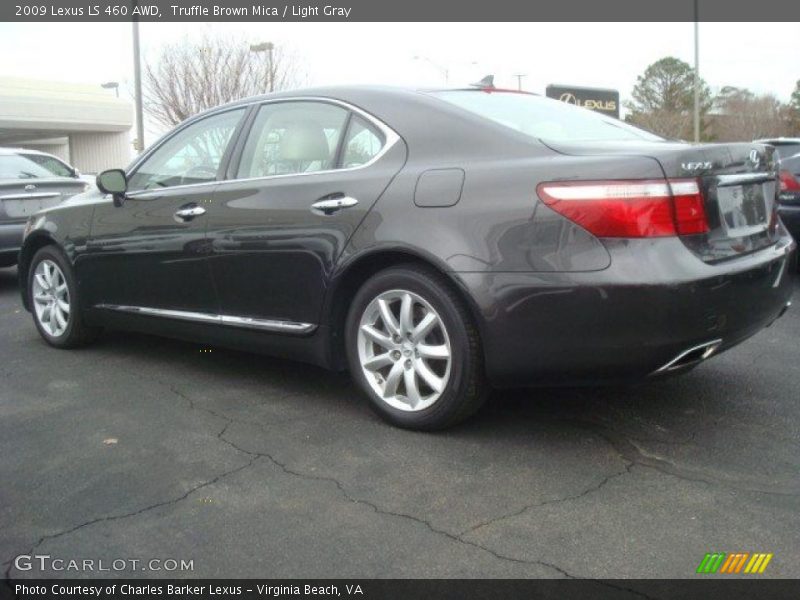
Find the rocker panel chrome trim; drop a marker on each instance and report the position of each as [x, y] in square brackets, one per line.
[229, 320]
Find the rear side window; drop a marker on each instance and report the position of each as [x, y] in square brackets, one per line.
[543, 118]
[292, 137]
[362, 144]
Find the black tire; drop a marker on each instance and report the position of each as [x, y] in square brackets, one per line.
[466, 388]
[76, 333]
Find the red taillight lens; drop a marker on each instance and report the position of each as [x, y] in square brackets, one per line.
[789, 182]
[630, 209]
[690, 212]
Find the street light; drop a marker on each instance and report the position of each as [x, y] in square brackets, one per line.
[696, 71]
[519, 77]
[443, 70]
[111, 85]
[137, 83]
[267, 47]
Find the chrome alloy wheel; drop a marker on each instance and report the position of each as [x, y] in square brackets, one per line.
[51, 298]
[404, 350]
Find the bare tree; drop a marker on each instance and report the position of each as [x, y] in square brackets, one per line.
[744, 116]
[192, 75]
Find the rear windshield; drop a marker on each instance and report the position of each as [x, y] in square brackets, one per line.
[785, 150]
[791, 164]
[544, 118]
[13, 166]
[56, 167]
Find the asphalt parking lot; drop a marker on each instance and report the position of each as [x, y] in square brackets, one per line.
[140, 447]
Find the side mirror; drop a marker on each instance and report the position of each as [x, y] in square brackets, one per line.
[76, 174]
[114, 182]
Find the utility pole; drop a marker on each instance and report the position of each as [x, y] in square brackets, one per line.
[519, 77]
[696, 71]
[137, 83]
[269, 48]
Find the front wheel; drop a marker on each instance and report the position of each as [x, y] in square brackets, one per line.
[414, 350]
[54, 301]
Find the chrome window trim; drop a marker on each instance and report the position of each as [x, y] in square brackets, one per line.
[273, 325]
[392, 137]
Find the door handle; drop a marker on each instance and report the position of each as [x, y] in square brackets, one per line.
[187, 213]
[328, 205]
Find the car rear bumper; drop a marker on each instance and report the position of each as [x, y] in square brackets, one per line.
[654, 302]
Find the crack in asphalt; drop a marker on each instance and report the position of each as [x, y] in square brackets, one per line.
[343, 491]
[630, 451]
[135, 513]
[590, 490]
[457, 538]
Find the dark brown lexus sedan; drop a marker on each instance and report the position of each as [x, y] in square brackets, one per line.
[434, 243]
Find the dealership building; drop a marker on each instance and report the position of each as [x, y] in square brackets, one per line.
[86, 125]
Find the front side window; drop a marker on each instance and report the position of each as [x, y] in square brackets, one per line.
[56, 167]
[193, 155]
[544, 118]
[292, 137]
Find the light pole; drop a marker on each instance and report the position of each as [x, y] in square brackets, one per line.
[269, 48]
[519, 77]
[696, 71]
[111, 85]
[443, 70]
[137, 84]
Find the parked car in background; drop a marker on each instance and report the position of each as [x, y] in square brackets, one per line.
[788, 151]
[436, 243]
[25, 188]
[55, 165]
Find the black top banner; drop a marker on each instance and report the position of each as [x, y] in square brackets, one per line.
[407, 10]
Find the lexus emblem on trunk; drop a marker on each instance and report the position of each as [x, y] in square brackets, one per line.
[755, 158]
[30, 187]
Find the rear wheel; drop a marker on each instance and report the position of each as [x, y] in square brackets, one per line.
[54, 301]
[413, 349]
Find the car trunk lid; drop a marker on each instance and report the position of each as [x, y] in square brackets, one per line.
[739, 184]
[20, 198]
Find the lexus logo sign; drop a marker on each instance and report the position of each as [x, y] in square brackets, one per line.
[568, 98]
[598, 99]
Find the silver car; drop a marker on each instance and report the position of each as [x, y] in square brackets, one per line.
[26, 188]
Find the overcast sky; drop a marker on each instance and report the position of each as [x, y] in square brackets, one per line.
[759, 56]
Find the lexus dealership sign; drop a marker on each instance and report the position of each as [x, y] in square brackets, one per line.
[602, 100]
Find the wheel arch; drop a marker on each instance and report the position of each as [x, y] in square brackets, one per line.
[356, 270]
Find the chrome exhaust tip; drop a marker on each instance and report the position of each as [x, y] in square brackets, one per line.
[692, 355]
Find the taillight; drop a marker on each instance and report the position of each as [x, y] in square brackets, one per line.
[789, 182]
[630, 209]
[690, 212]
